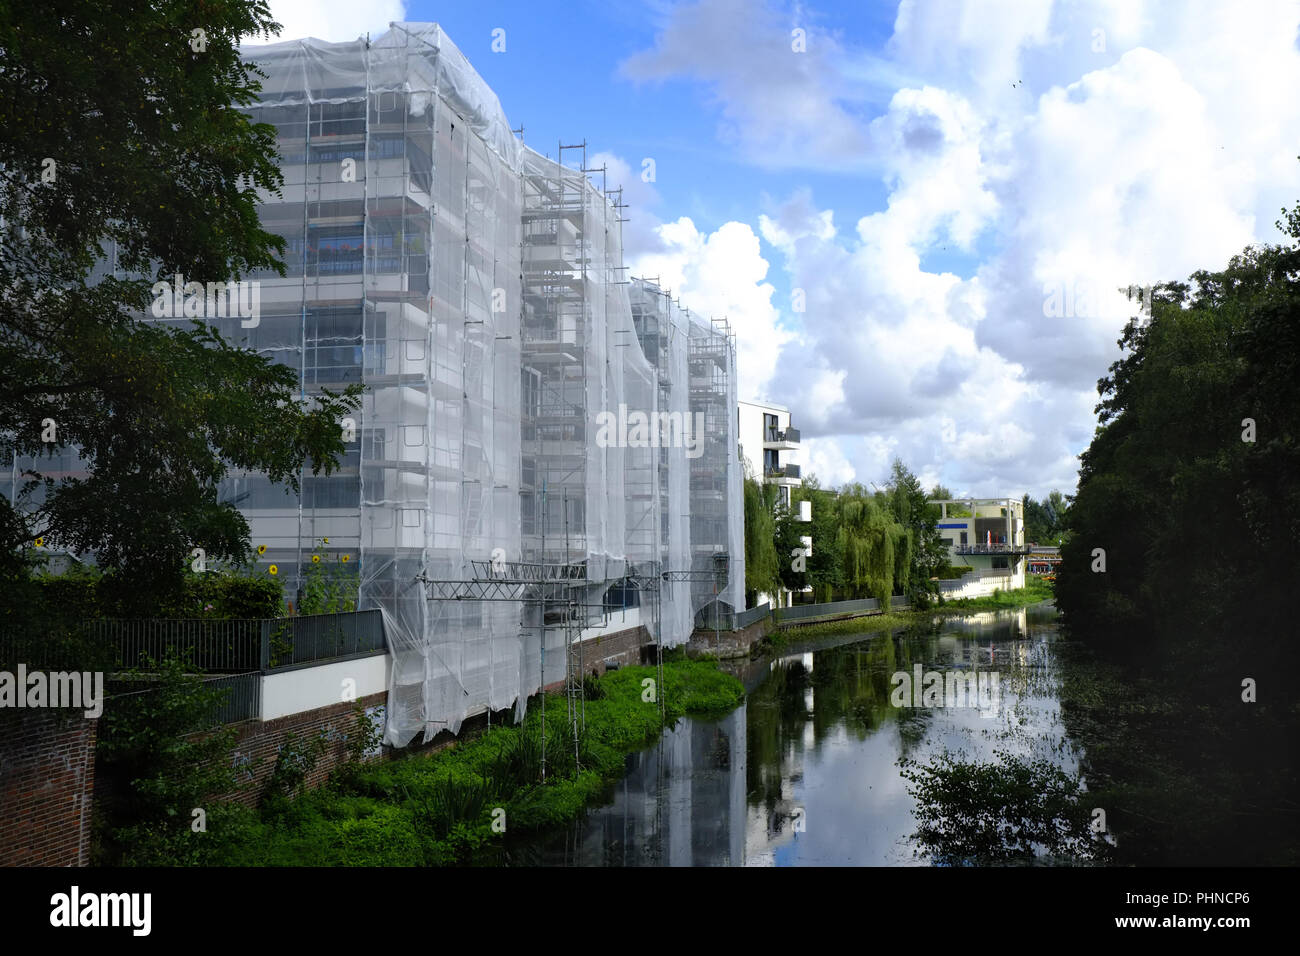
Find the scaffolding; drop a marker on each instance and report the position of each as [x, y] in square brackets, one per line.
[477, 288]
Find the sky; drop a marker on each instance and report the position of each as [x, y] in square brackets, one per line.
[917, 216]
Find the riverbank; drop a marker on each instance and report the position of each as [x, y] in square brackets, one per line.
[463, 804]
[1035, 592]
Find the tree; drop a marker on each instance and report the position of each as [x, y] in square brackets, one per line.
[825, 566]
[762, 571]
[866, 536]
[125, 124]
[1190, 489]
[926, 555]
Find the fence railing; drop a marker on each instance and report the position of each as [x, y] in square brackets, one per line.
[210, 645]
[205, 645]
[316, 637]
[745, 618]
[242, 701]
[799, 612]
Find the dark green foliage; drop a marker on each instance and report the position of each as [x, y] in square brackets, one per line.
[1008, 811]
[921, 551]
[153, 151]
[1046, 521]
[762, 562]
[1199, 527]
[155, 764]
[295, 761]
[49, 611]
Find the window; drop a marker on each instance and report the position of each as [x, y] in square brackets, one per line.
[963, 537]
[1000, 563]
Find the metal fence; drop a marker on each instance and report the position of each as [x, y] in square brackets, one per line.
[831, 608]
[222, 646]
[746, 618]
[239, 646]
[317, 637]
[242, 699]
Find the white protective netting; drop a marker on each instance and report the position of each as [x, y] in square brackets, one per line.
[476, 287]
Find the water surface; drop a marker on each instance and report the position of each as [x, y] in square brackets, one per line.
[806, 772]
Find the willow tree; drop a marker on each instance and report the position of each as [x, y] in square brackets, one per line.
[867, 536]
[762, 568]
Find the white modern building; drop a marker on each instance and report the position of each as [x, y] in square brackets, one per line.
[770, 448]
[988, 536]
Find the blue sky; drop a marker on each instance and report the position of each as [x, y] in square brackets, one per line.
[927, 174]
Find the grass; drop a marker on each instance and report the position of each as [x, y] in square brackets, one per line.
[421, 810]
[1035, 591]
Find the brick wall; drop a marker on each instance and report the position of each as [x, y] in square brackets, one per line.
[254, 753]
[624, 648]
[728, 644]
[47, 760]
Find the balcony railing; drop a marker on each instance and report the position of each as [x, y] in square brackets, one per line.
[991, 549]
[790, 434]
[784, 471]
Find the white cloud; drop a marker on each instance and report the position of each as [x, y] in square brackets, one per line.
[721, 275]
[1080, 146]
[333, 20]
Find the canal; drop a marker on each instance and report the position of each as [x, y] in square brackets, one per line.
[809, 771]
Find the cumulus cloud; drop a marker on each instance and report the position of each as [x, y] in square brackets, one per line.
[722, 275]
[333, 20]
[1067, 149]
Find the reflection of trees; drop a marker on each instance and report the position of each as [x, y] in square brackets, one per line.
[1002, 811]
[851, 690]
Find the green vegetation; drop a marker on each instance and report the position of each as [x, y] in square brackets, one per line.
[329, 586]
[1007, 811]
[1178, 574]
[1034, 591]
[155, 764]
[1047, 521]
[114, 128]
[439, 809]
[865, 543]
[869, 624]
[762, 566]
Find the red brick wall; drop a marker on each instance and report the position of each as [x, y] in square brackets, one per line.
[254, 753]
[47, 760]
[622, 647]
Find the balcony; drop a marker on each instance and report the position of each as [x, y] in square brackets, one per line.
[781, 439]
[782, 471]
[991, 549]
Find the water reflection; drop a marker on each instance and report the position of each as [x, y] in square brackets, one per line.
[806, 771]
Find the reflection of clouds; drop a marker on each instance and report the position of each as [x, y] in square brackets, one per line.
[688, 801]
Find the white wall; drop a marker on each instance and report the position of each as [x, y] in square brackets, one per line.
[307, 688]
[751, 435]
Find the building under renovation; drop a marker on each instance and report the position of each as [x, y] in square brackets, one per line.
[546, 449]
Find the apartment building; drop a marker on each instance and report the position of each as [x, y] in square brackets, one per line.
[476, 287]
[770, 447]
[986, 535]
